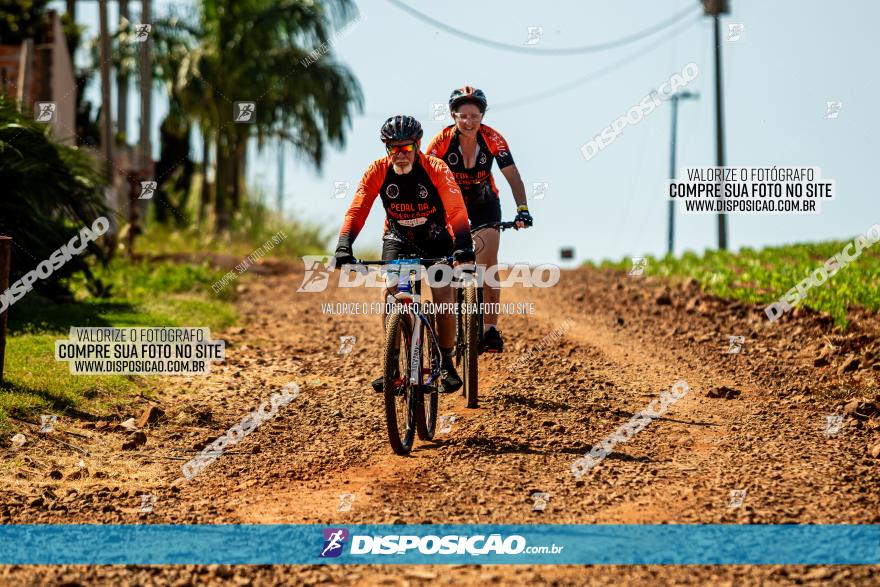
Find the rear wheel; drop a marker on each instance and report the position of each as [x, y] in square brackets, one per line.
[401, 400]
[426, 422]
[470, 319]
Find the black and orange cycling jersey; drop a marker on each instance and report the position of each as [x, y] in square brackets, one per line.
[423, 207]
[477, 186]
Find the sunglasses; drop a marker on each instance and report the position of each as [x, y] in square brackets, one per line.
[394, 150]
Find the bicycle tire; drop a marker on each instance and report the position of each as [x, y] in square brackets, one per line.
[397, 390]
[426, 421]
[459, 332]
[471, 351]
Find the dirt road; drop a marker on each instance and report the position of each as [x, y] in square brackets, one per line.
[602, 346]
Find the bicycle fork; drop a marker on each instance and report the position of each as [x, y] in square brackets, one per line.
[415, 357]
[416, 352]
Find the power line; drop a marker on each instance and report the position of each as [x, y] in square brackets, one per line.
[543, 51]
[576, 82]
[596, 74]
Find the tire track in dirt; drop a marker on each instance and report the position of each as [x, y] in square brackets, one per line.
[627, 345]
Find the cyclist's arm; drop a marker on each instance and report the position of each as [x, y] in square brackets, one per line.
[360, 206]
[501, 151]
[450, 194]
[438, 145]
[511, 173]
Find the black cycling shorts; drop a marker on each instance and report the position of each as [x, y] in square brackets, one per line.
[394, 247]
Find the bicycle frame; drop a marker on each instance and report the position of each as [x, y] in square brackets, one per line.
[410, 293]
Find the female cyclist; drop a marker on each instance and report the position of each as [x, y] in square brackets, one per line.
[468, 147]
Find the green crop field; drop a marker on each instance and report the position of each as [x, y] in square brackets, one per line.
[765, 275]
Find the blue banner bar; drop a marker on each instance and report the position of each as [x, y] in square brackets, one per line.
[611, 544]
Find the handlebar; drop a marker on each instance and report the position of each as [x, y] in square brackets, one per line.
[500, 225]
[407, 261]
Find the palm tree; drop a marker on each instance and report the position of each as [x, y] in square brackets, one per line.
[253, 51]
[50, 191]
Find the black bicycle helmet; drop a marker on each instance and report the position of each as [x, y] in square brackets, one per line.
[468, 95]
[401, 128]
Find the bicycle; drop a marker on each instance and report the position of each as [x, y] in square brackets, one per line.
[469, 326]
[411, 359]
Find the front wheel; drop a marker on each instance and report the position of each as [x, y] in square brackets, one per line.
[401, 400]
[426, 422]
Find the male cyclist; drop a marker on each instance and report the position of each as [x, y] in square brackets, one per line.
[469, 147]
[425, 217]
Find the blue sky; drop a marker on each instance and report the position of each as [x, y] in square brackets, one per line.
[794, 57]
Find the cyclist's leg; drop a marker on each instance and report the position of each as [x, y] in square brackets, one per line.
[486, 242]
[443, 297]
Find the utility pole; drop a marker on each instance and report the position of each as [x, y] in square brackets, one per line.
[122, 82]
[715, 8]
[106, 108]
[5, 268]
[675, 98]
[146, 147]
[280, 177]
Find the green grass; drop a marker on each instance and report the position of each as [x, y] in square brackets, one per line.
[253, 226]
[765, 275]
[142, 294]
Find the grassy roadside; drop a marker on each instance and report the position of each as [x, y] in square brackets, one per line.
[763, 276]
[135, 293]
[141, 294]
[250, 229]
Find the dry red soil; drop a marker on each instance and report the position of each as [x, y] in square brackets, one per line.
[603, 346]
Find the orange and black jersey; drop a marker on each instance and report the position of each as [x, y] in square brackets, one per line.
[477, 186]
[423, 207]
